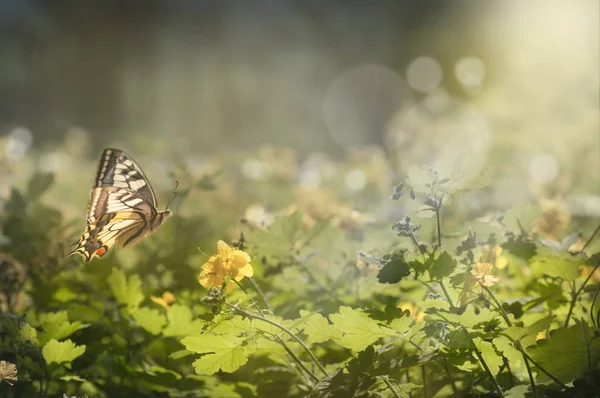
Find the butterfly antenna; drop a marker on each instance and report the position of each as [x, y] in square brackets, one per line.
[174, 193]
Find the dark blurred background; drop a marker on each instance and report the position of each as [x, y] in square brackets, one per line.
[247, 72]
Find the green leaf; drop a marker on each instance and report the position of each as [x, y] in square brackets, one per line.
[318, 329]
[443, 266]
[562, 265]
[29, 333]
[567, 353]
[55, 325]
[405, 389]
[394, 269]
[523, 215]
[180, 354]
[232, 327]
[402, 324]
[314, 232]
[506, 347]
[181, 322]
[528, 335]
[65, 351]
[149, 319]
[468, 318]
[126, 292]
[517, 392]
[420, 179]
[489, 355]
[520, 248]
[358, 329]
[223, 353]
[267, 327]
[39, 183]
[73, 378]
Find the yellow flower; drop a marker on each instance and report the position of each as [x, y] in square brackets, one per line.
[229, 263]
[166, 299]
[415, 313]
[493, 255]
[8, 371]
[483, 277]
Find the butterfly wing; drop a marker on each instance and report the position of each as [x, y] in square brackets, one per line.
[122, 207]
[107, 232]
[118, 170]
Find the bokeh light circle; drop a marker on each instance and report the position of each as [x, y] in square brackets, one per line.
[543, 168]
[19, 141]
[470, 72]
[424, 74]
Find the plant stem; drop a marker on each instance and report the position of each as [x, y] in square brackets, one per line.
[282, 328]
[544, 371]
[446, 294]
[517, 343]
[296, 359]
[576, 294]
[389, 386]
[447, 370]
[260, 293]
[591, 238]
[487, 370]
[502, 312]
[528, 366]
[438, 210]
[424, 380]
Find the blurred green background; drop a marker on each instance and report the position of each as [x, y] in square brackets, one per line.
[511, 86]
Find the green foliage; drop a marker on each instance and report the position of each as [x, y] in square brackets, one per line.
[61, 352]
[568, 352]
[417, 315]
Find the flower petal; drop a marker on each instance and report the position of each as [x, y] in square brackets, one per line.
[239, 258]
[247, 271]
[223, 249]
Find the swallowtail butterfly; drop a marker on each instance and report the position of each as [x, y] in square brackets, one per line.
[122, 207]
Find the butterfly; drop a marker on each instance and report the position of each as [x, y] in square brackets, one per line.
[122, 207]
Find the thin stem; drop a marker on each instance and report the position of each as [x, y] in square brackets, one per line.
[439, 228]
[389, 386]
[576, 294]
[499, 306]
[424, 380]
[446, 294]
[487, 370]
[292, 335]
[438, 210]
[518, 343]
[447, 370]
[544, 371]
[260, 294]
[528, 366]
[591, 238]
[296, 359]
[510, 374]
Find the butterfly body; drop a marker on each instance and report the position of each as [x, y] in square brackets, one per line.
[122, 207]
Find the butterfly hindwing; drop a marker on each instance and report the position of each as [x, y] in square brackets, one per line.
[121, 209]
[110, 229]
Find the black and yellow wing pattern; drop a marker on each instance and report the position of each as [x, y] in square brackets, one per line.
[122, 207]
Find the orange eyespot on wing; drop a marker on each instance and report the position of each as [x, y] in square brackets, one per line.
[101, 251]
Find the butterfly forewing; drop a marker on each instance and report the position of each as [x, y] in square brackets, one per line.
[120, 171]
[122, 207]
